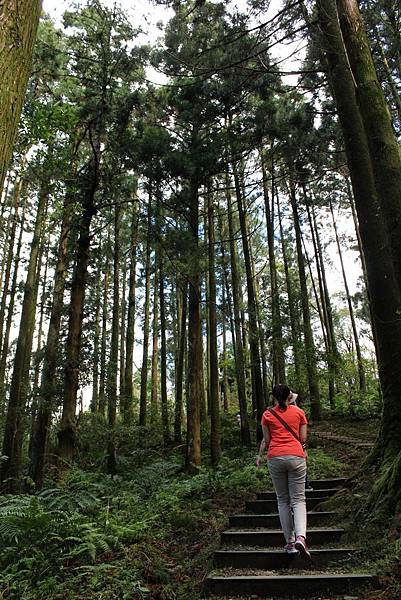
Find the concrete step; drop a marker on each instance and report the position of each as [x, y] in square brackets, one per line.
[295, 586]
[278, 559]
[274, 537]
[323, 484]
[247, 521]
[269, 506]
[327, 493]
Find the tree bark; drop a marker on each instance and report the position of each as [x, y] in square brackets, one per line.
[47, 392]
[145, 349]
[103, 341]
[294, 322]
[195, 346]
[277, 333]
[361, 370]
[239, 349]
[13, 296]
[256, 374]
[13, 431]
[215, 443]
[18, 26]
[226, 284]
[163, 354]
[19, 191]
[383, 286]
[225, 385]
[180, 366]
[94, 405]
[334, 358]
[37, 355]
[383, 147]
[67, 428]
[310, 353]
[154, 377]
[112, 371]
[123, 315]
[128, 392]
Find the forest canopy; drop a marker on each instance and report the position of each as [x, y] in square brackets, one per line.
[186, 221]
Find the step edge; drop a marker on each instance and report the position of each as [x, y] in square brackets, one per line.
[309, 513]
[329, 577]
[274, 531]
[318, 551]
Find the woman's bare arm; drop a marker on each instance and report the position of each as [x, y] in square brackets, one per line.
[303, 433]
[263, 444]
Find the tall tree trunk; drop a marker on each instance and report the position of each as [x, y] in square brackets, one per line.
[123, 328]
[163, 354]
[257, 384]
[215, 443]
[383, 147]
[277, 333]
[294, 322]
[94, 405]
[310, 353]
[146, 310]
[13, 431]
[363, 262]
[225, 386]
[154, 377]
[195, 345]
[38, 359]
[383, 286]
[361, 370]
[239, 349]
[18, 27]
[321, 302]
[103, 341]
[334, 356]
[128, 392]
[19, 190]
[5, 224]
[112, 371]
[226, 284]
[67, 428]
[316, 295]
[13, 296]
[390, 78]
[180, 366]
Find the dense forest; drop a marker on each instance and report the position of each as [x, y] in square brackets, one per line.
[169, 252]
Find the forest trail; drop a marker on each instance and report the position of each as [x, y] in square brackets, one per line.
[251, 562]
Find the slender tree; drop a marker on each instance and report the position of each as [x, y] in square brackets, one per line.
[310, 352]
[13, 431]
[215, 446]
[146, 311]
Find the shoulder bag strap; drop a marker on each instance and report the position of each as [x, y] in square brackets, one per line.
[285, 424]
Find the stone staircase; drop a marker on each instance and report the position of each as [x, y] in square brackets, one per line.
[252, 562]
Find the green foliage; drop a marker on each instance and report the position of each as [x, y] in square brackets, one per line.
[80, 495]
[37, 540]
[321, 464]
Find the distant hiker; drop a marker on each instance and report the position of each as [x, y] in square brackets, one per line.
[284, 435]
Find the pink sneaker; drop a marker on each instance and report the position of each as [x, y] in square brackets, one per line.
[300, 545]
[290, 548]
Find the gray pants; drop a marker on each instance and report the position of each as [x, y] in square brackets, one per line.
[288, 476]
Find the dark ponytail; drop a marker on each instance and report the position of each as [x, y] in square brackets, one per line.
[281, 393]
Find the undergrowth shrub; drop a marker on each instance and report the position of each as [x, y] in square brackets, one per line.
[147, 532]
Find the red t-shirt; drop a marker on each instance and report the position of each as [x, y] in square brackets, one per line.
[282, 442]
